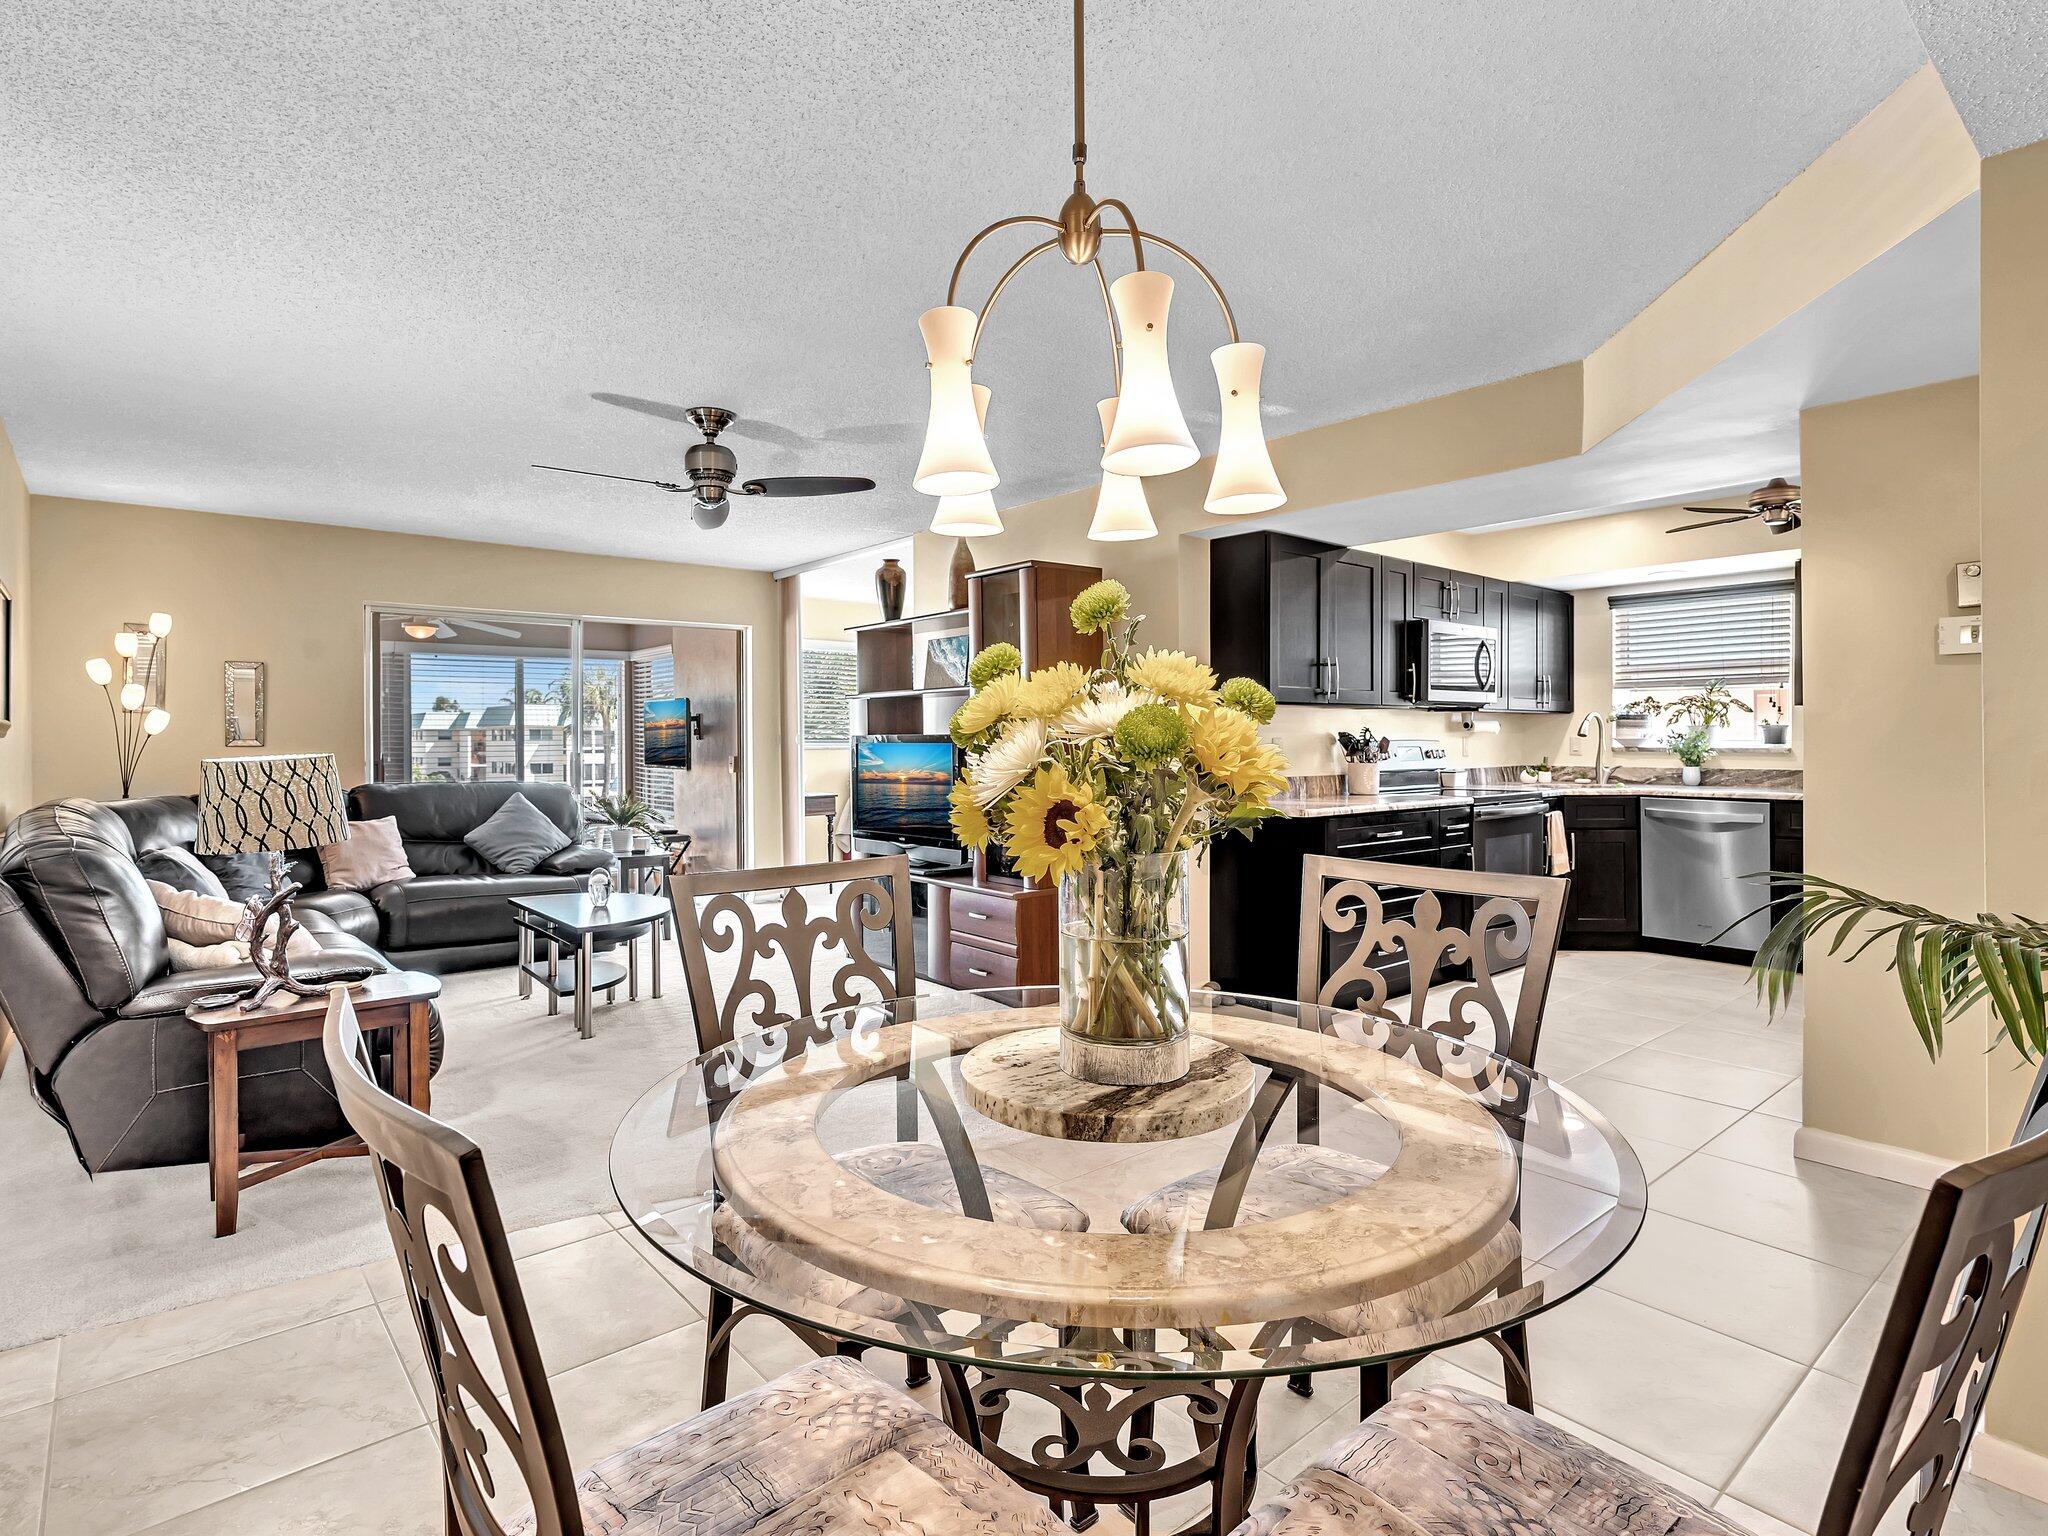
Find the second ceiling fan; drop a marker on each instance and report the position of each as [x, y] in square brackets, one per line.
[1776, 503]
[710, 468]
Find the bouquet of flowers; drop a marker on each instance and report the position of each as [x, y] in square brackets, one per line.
[1106, 779]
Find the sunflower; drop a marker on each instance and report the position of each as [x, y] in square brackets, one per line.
[970, 821]
[1053, 825]
[1174, 675]
[995, 703]
[1009, 762]
[1226, 744]
[1046, 694]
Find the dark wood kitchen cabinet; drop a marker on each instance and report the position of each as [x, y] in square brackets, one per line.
[1538, 636]
[1437, 593]
[1300, 616]
[1397, 589]
[1605, 907]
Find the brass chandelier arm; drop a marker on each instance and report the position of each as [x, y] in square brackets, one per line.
[1130, 231]
[1003, 282]
[1133, 234]
[953, 287]
[1116, 340]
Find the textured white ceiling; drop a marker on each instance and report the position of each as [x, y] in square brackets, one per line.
[1993, 57]
[360, 262]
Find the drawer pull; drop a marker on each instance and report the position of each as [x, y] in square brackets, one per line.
[979, 917]
[977, 971]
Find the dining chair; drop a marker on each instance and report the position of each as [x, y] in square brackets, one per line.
[1456, 1464]
[1365, 927]
[804, 957]
[825, 1448]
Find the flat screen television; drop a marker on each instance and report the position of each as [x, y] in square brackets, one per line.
[900, 788]
[665, 724]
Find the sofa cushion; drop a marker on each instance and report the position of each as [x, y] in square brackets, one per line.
[74, 864]
[371, 855]
[578, 859]
[517, 837]
[348, 912]
[179, 869]
[433, 819]
[437, 910]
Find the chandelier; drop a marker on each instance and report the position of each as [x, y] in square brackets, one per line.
[1143, 430]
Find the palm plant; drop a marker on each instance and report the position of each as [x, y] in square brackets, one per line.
[1945, 965]
[624, 811]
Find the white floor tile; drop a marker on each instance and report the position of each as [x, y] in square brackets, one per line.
[24, 1453]
[1790, 1103]
[1652, 1066]
[621, 1399]
[1671, 1118]
[1854, 1345]
[28, 1376]
[1760, 1140]
[1841, 1218]
[1787, 1474]
[1781, 1050]
[392, 1488]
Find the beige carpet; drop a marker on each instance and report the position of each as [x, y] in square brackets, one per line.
[543, 1104]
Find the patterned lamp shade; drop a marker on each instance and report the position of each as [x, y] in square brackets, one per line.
[270, 804]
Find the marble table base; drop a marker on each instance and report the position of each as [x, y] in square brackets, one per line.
[1016, 1081]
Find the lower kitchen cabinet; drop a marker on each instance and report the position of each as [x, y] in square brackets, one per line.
[1605, 909]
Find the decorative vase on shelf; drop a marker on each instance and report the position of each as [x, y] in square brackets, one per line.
[1124, 971]
[1361, 778]
[890, 580]
[1689, 775]
[958, 571]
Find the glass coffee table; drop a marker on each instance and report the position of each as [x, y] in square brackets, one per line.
[558, 939]
[1386, 1192]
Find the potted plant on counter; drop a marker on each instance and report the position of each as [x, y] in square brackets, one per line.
[1692, 749]
[1362, 758]
[1694, 718]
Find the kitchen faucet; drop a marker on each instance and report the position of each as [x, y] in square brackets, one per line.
[1600, 770]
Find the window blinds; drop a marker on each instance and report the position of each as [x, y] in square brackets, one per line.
[1737, 635]
[654, 677]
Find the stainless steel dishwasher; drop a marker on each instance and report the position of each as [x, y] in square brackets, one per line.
[1696, 855]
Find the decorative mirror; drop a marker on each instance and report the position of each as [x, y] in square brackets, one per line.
[245, 703]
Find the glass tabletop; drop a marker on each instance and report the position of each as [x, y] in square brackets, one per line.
[1368, 1190]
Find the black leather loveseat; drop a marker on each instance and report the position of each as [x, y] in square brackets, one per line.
[86, 985]
[456, 912]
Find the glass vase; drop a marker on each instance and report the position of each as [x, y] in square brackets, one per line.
[1124, 971]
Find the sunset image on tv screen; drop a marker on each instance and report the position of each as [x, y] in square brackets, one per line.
[903, 783]
[667, 726]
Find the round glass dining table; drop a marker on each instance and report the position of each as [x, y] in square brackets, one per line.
[1384, 1191]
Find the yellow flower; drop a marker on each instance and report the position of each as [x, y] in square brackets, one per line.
[989, 707]
[1174, 675]
[1053, 825]
[1226, 744]
[970, 821]
[1049, 690]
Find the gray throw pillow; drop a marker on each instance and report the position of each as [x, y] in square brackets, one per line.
[517, 837]
[180, 870]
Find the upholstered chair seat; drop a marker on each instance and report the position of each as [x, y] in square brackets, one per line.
[1441, 1462]
[823, 1450]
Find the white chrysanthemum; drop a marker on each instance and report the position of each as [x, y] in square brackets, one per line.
[1012, 760]
[1095, 718]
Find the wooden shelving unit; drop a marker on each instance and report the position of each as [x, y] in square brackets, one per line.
[888, 698]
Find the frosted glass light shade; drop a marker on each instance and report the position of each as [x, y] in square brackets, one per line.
[1151, 436]
[131, 696]
[1243, 480]
[955, 461]
[99, 671]
[154, 722]
[967, 517]
[124, 642]
[1121, 511]
[160, 625]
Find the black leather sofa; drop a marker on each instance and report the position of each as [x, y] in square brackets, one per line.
[456, 913]
[86, 985]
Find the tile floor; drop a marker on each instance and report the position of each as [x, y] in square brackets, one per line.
[1723, 1354]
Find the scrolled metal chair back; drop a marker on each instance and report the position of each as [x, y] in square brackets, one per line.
[1513, 918]
[828, 964]
[423, 1168]
[1923, 1397]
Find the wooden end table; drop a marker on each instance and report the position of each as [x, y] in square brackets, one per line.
[400, 1001]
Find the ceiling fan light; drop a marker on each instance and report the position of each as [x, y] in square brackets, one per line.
[421, 629]
[1151, 436]
[955, 461]
[1121, 511]
[1243, 481]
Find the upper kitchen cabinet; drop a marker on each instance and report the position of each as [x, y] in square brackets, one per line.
[1300, 616]
[1538, 636]
[1436, 593]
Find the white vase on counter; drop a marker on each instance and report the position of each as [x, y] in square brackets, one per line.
[1689, 776]
[1361, 778]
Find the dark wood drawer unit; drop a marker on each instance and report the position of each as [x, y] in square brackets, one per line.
[1788, 852]
[971, 967]
[993, 935]
[1605, 908]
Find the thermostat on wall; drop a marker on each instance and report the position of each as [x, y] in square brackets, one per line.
[1962, 635]
[1970, 584]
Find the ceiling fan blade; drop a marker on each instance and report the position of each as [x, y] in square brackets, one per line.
[1723, 522]
[644, 406]
[1722, 511]
[807, 485]
[483, 628]
[601, 475]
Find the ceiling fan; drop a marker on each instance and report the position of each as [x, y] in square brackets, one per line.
[422, 626]
[1777, 504]
[710, 466]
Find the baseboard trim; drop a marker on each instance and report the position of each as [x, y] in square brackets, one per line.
[2010, 1466]
[1901, 1165]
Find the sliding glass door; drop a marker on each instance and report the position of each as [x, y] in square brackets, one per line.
[463, 698]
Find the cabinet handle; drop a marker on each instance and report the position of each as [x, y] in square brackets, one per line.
[976, 971]
[979, 917]
[1336, 673]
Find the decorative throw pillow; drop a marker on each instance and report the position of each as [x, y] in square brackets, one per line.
[517, 837]
[241, 875]
[200, 930]
[180, 870]
[370, 856]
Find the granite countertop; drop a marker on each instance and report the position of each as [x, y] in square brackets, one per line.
[1365, 805]
[1678, 791]
[1308, 806]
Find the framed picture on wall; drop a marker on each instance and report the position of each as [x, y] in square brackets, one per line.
[6, 658]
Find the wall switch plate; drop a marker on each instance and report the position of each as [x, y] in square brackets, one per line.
[1970, 584]
[1960, 635]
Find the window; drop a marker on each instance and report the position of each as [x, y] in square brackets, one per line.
[653, 676]
[1668, 644]
[828, 687]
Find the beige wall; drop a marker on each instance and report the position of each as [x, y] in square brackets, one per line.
[16, 763]
[293, 595]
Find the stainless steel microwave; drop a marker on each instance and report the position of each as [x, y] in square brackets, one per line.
[1449, 665]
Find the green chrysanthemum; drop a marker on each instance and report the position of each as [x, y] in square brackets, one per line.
[1100, 606]
[993, 662]
[1243, 694]
[1151, 736]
